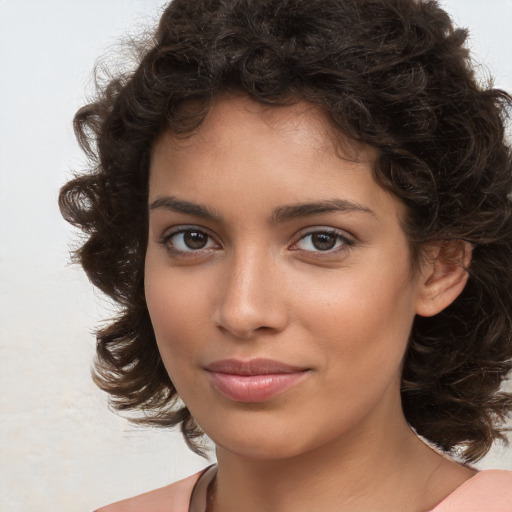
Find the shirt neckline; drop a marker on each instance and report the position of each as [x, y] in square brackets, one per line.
[199, 495]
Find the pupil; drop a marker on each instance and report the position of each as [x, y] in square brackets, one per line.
[195, 239]
[323, 241]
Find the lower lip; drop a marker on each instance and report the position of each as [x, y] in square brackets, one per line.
[254, 388]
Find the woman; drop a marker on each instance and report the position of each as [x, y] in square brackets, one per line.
[303, 210]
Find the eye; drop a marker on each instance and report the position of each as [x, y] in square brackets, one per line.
[189, 240]
[323, 241]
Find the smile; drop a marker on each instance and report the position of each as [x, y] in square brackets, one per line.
[253, 381]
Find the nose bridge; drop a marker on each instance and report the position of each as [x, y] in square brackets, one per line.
[249, 299]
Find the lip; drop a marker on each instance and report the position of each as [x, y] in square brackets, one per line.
[256, 380]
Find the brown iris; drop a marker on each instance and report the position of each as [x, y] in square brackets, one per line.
[323, 241]
[195, 239]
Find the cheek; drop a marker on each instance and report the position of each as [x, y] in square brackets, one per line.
[362, 319]
[177, 312]
[361, 331]
[177, 320]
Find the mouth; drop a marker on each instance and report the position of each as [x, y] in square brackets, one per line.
[256, 380]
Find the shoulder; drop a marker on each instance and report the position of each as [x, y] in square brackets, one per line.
[171, 498]
[488, 491]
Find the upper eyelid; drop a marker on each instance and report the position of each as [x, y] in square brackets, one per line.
[181, 228]
[324, 229]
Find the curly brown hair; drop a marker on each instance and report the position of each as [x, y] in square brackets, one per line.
[391, 74]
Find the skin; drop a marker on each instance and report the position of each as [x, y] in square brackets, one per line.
[260, 287]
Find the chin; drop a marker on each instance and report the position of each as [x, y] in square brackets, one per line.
[263, 450]
[265, 440]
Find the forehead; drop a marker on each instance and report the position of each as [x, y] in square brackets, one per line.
[264, 156]
[300, 122]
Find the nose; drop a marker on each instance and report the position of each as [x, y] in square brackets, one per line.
[250, 299]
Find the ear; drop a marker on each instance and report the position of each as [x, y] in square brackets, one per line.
[443, 275]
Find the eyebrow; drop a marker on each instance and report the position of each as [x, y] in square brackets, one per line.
[294, 211]
[280, 215]
[176, 205]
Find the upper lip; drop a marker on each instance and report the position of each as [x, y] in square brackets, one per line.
[252, 367]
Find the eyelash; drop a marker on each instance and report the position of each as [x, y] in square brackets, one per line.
[342, 242]
[166, 241]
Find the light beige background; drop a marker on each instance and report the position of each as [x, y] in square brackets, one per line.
[61, 449]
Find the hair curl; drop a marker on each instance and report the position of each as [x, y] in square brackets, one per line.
[394, 75]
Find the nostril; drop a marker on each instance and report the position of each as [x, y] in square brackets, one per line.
[246, 324]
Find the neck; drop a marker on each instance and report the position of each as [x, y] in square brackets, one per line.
[367, 469]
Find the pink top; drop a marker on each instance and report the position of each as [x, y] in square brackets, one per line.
[488, 491]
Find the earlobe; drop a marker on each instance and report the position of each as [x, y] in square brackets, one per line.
[444, 274]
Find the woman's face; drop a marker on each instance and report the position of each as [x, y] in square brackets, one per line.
[278, 280]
